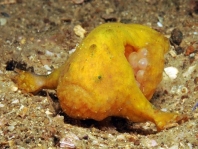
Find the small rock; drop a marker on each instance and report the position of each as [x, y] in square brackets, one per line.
[47, 67]
[121, 137]
[191, 48]
[3, 21]
[11, 128]
[23, 111]
[79, 31]
[171, 72]
[159, 24]
[1, 105]
[172, 53]
[176, 36]
[179, 50]
[72, 51]
[13, 88]
[15, 101]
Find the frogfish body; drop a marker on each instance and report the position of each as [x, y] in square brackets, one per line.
[113, 72]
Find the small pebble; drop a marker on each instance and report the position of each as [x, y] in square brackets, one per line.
[14, 88]
[23, 111]
[159, 24]
[164, 110]
[3, 21]
[121, 137]
[72, 51]
[192, 48]
[153, 143]
[192, 57]
[10, 65]
[11, 128]
[195, 33]
[79, 31]
[176, 36]
[173, 53]
[2, 105]
[15, 101]
[47, 67]
[179, 50]
[190, 145]
[48, 112]
[171, 72]
[49, 53]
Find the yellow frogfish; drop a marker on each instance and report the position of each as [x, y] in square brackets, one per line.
[113, 72]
